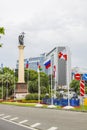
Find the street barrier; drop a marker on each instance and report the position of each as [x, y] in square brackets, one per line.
[74, 102]
[62, 101]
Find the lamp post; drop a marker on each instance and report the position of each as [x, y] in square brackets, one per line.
[7, 83]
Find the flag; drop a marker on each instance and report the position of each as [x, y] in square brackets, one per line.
[62, 55]
[27, 64]
[47, 64]
[39, 66]
[54, 70]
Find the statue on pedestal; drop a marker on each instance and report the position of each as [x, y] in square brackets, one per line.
[21, 87]
[21, 38]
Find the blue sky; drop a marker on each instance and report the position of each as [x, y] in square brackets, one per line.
[46, 23]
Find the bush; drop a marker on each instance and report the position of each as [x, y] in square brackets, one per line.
[29, 101]
[33, 96]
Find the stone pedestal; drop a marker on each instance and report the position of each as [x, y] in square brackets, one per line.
[21, 90]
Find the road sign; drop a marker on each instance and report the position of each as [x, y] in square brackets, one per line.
[82, 87]
[84, 77]
[77, 76]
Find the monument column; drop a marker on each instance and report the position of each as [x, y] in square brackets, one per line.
[21, 86]
[21, 64]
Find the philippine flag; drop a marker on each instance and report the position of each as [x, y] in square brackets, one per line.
[62, 55]
[47, 64]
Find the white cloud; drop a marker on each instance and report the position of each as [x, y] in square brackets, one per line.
[47, 23]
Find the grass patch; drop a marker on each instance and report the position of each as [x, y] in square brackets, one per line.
[19, 104]
[80, 108]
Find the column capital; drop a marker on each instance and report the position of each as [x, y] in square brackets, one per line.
[21, 46]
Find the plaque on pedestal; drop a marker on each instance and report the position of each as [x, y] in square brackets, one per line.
[21, 88]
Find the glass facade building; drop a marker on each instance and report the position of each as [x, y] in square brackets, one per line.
[32, 61]
[60, 78]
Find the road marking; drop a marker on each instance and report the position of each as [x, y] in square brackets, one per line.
[15, 118]
[23, 121]
[34, 125]
[2, 114]
[53, 128]
[30, 128]
[6, 116]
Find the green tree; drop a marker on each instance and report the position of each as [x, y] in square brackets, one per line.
[44, 79]
[7, 80]
[31, 77]
[75, 85]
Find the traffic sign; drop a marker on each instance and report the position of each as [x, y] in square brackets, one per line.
[84, 77]
[77, 76]
[82, 87]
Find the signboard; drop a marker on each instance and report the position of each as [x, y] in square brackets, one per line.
[77, 76]
[84, 77]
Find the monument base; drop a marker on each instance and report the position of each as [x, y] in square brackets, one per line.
[21, 90]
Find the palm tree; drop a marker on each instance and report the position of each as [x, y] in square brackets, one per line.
[8, 84]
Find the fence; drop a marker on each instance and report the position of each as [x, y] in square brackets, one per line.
[62, 101]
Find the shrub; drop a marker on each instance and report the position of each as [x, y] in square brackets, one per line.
[33, 96]
[29, 101]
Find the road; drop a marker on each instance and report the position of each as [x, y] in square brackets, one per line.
[41, 119]
[6, 125]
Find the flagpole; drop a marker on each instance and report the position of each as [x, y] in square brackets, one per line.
[54, 80]
[27, 79]
[51, 85]
[14, 84]
[68, 73]
[51, 106]
[2, 87]
[39, 91]
[27, 73]
[2, 79]
[38, 86]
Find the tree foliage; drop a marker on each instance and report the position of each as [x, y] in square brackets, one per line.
[31, 77]
[8, 77]
[7, 81]
[75, 86]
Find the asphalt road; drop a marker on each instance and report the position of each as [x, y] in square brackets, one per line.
[42, 119]
[6, 125]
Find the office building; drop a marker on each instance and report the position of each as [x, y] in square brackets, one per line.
[60, 65]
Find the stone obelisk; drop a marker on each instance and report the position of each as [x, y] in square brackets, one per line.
[21, 86]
